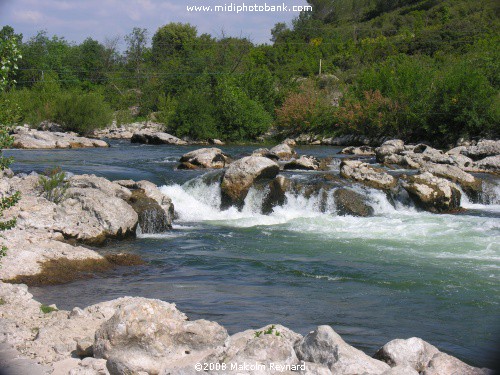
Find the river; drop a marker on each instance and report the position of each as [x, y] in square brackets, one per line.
[399, 274]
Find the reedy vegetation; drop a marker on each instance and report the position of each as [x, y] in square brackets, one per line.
[417, 69]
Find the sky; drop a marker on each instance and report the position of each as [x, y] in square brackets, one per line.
[100, 19]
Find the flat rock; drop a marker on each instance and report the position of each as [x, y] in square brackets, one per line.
[26, 138]
[367, 174]
[482, 150]
[156, 138]
[283, 151]
[307, 163]
[360, 151]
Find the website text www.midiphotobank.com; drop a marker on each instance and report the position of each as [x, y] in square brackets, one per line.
[248, 7]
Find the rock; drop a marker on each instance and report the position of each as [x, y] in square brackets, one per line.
[325, 346]
[413, 352]
[113, 189]
[482, 150]
[490, 164]
[457, 150]
[264, 152]
[152, 217]
[393, 146]
[366, 174]
[432, 193]
[126, 131]
[240, 176]
[290, 142]
[276, 194]
[461, 161]
[50, 127]
[204, 158]
[444, 364]
[90, 366]
[216, 142]
[348, 202]
[400, 370]
[33, 139]
[150, 190]
[275, 344]
[146, 335]
[471, 185]
[156, 138]
[283, 151]
[314, 369]
[360, 151]
[307, 163]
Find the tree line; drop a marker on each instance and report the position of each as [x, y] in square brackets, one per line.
[420, 70]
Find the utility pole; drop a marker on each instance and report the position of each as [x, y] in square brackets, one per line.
[320, 63]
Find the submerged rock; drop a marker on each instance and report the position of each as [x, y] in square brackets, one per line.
[240, 176]
[432, 193]
[367, 174]
[204, 158]
[152, 217]
[349, 202]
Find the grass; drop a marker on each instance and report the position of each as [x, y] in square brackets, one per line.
[47, 309]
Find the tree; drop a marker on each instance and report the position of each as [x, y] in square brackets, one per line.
[9, 53]
[136, 49]
[173, 39]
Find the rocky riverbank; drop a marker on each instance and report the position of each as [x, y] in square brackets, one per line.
[146, 336]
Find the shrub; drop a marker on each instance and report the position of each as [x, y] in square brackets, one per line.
[82, 112]
[240, 117]
[194, 116]
[305, 110]
[374, 115]
[54, 185]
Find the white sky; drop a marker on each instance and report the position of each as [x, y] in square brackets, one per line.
[79, 19]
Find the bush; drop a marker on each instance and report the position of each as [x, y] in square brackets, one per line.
[54, 185]
[372, 116]
[82, 112]
[194, 116]
[305, 110]
[240, 117]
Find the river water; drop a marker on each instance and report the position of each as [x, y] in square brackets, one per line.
[399, 274]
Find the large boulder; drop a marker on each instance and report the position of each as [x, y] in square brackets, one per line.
[152, 217]
[204, 158]
[349, 202]
[444, 364]
[270, 344]
[156, 138]
[432, 193]
[482, 150]
[489, 164]
[325, 346]
[471, 185]
[414, 352]
[390, 147]
[284, 151]
[367, 174]
[306, 163]
[151, 336]
[151, 191]
[26, 138]
[240, 176]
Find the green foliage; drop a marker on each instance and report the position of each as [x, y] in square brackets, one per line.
[271, 330]
[195, 116]
[54, 185]
[167, 106]
[173, 38]
[240, 117]
[47, 309]
[82, 112]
